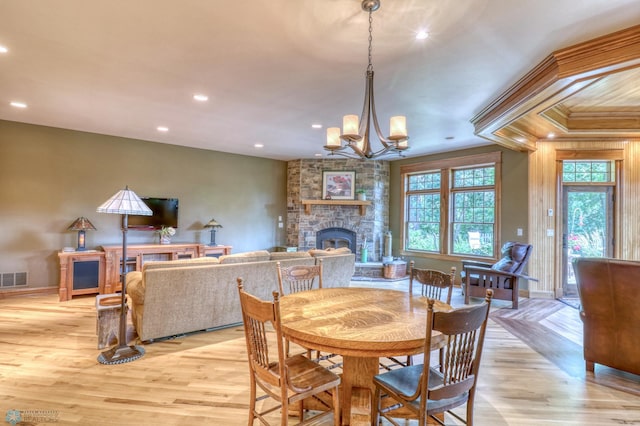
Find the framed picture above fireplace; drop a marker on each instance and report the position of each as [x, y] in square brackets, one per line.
[338, 185]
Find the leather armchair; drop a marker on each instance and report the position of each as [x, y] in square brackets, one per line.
[502, 277]
[609, 292]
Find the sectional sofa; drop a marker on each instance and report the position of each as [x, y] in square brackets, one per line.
[182, 296]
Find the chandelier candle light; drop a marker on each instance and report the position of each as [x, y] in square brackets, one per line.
[356, 137]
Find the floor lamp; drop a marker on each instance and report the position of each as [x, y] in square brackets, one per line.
[124, 202]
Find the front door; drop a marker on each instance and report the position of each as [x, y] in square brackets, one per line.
[588, 228]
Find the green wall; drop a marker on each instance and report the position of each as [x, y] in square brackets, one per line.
[50, 176]
[514, 209]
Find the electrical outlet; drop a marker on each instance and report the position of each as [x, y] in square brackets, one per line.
[549, 232]
[280, 225]
[519, 232]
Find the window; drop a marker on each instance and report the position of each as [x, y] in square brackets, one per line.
[599, 171]
[450, 206]
[423, 208]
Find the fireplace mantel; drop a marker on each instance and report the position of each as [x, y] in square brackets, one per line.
[362, 204]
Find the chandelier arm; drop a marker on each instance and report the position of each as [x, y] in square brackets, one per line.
[385, 150]
[347, 155]
[362, 153]
[385, 142]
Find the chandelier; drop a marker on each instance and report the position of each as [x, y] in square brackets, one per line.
[356, 137]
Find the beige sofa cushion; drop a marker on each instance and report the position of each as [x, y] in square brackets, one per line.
[196, 261]
[249, 256]
[280, 255]
[329, 252]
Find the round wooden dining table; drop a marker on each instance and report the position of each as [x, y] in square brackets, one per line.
[362, 325]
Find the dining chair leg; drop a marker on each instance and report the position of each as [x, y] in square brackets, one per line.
[336, 407]
[252, 403]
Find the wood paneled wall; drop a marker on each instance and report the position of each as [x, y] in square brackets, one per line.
[544, 195]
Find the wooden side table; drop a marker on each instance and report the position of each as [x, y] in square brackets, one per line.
[108, 310]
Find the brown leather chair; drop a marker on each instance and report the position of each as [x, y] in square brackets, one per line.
[609, 291]
[502, 277]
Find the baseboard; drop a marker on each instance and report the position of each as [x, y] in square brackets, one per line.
[42, 291]
[541, 295]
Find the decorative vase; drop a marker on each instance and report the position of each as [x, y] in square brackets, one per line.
[165, 239]
[364, 254]
[362, 196]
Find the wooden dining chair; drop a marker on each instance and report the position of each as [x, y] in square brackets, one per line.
[433, 284]
[287, 380]
[421, 391]
[293, 279]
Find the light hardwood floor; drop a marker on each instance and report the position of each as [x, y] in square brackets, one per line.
[532, 371]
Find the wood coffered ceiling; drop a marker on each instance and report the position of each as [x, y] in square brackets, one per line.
[590, 91]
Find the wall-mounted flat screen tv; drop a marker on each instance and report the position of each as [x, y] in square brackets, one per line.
[165, 213]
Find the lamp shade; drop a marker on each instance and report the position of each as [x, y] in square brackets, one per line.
[125, 201]
[81, 224]
[333, 137]
[350, 125]
[213, 224]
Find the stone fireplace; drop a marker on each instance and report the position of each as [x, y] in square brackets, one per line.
[304, 182]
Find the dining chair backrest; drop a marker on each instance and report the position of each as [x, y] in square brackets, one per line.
[434, 284]
[293, 279]
[463, 332]
[259, 318]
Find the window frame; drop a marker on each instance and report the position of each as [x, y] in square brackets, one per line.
[445, 167]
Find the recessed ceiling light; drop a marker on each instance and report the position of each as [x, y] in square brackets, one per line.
[3, 49]
[200, 97]
[259, 145]
[18, 104]
[162, 129]
[318, 155]
[551, 135]
[317, 126]
[422, 34]
[520, 139]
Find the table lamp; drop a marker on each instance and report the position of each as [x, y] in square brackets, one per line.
[81, 224]
[213, 225]
[124, 202]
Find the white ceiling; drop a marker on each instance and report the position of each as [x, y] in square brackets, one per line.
[271, 68]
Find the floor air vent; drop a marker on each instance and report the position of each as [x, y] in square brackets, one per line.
[13, 279]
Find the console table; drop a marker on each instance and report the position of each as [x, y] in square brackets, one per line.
[98, 271]
[137, 255]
